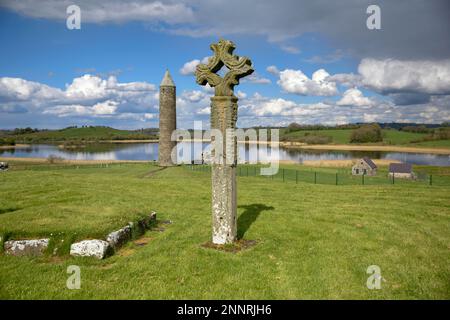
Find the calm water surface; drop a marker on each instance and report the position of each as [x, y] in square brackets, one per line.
[149, 151]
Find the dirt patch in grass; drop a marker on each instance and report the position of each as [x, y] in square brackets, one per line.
[133, 246]
[142, 241]
[126, 252]
[235, 247]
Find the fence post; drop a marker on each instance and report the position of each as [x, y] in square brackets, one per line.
[283, 175]
[296, 176]
[336, 178]
[393, 177]
[315, 177]
[362, 179]
[431, 179]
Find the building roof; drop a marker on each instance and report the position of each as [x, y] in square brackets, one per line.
[370, 163]
[167, 80]
[400, 167]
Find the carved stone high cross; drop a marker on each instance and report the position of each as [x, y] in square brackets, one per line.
[239, 67]
[223, 118]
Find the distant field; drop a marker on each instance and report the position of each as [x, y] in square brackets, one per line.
[78, 134]
[436, 143]
[315, 241]
[390, 136]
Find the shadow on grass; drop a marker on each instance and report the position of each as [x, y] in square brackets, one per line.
[6, 210]
[251, 213]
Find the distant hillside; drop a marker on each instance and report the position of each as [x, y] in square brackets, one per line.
[432, 137]
[75, 134]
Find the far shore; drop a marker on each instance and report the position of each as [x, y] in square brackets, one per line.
[345, 147]
[16, 146]
[312, 163]
[68, 161]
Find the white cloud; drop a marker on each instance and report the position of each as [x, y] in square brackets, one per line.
[256, 78]
[295, 81]
[329, 58]
[87, 95]
[105, 108]
[194, 95]
[17, 89]
[288, 21]
[204, 111]
[241, 95]
[273, 70]
[354, 97]
[107, 11]
[190, 66]
[346, 79]
[393, 76]
[260, 110]
[290, 49]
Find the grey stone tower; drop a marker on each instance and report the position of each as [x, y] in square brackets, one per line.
[167, 120]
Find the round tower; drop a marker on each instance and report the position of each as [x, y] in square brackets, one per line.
[167, 120]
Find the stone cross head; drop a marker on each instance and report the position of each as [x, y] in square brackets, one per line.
[239, 67]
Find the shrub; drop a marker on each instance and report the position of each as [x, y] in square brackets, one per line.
[441, 134]
[7, 142]
[367, 133]
[294, 126]
[416, 129]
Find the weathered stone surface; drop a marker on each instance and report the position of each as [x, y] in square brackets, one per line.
[167, 120]
[4, 166]
[223, 118]
[151, 219]
[90, 248]
[239, 67]
[26, 247]
[117, 238]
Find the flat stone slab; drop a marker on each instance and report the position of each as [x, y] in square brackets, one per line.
[119, 237]
[34, 247]
[90, 248]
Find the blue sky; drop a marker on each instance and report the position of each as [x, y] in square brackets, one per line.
[108, 72]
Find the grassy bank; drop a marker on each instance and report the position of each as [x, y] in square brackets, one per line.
[342, 136]
[84, 134]
[314, 241]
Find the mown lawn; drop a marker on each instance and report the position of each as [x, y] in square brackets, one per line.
[314, 241]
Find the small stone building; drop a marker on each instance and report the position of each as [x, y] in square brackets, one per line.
[401, 170]
[364, 166]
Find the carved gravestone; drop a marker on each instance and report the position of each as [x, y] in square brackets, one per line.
[223, 119]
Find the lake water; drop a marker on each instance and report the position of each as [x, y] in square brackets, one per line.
[149, 151]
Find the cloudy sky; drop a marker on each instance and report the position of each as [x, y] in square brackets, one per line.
[315, 61]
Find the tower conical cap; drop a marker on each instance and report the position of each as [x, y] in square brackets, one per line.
[167, 80]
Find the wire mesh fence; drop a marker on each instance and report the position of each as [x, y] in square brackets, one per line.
[339, 178]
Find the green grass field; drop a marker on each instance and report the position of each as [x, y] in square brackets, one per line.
[314, 241]
[342, 136]
[85, 133]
